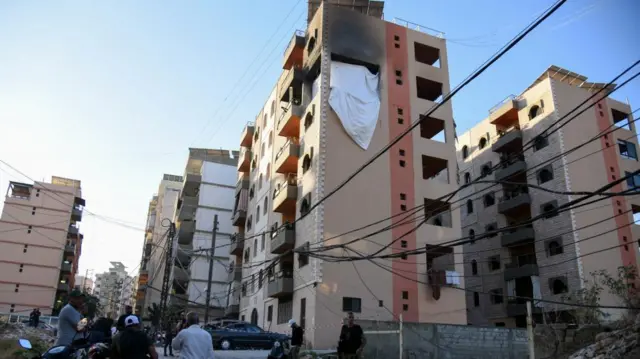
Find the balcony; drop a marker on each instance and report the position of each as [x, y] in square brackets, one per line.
[181, 274]
[285, 196]
[244, 160]
[505, 113]
[235, 274]
[294, 52]
[73, 231]
[191, 184]
[187, 208]
[522, 266]
[289, 122]
[290, 84]
[514, 203]
[286, 160]
[246, 140]
[239, 217]
[281, 286]
[510, 169]
[63, 287]
[519, 308]
[65, 268]
[284, 240]
[243, 183]
[76, 214]
[179, 300]
[184, 253]
[237, 244]
[518, 236]
[186, 229]
[509, 141]
[69, 250]
[232, 310]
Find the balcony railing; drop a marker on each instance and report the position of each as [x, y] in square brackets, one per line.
[292, 78]
[522, 266]
[514, 200]
[246, 140]
[510, 167]
[186, 229]
[285, 195]
[73, 230]
[244, 160]
[69, 250]
[237, 244]
[518, 236]
[281, 285]
[505, 113]
[191, 183]
[289, 122]
[294, 51]
[243, 183]
[65, 267]
[284, 239]
[286, 160]
[510, 140]
[187, 208]
[235, 274]
[76, 214]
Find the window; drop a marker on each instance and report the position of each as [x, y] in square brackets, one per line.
[549, 209]
[540, 142]
[306, 163]
[467, 178]
[405, 294]
[472, 235]
[273, 107]
[632, 181]
[474, 267]
[260, 275]
[469, 206]
[558, 285]
[262, 241]
[252, 191]
[265, 205]
[303, 312]
[270, 313]
[244, 289]
[285, 310]
[258, 214]
[403, 196]
[496, 296]
[534, 111]
[494, 263]
[491, 228]
[486, 169]
[305, 205]
[465, 152]
[483, 143]
[262, 150]
[627, 150]
[554, 247]
[489, 199]
[405, 307]
[249, 223]
[545, 175]
[403, 244]
[351, 304]
[255, 247]
[260, 182]
[476, 299]
[270, 139]
[303, 260]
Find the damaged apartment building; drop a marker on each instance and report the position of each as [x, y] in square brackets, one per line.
[351, 83]
[554, 256]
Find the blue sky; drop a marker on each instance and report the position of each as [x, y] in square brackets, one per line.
[114, 92]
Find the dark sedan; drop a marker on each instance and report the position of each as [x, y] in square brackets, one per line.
[243, 336]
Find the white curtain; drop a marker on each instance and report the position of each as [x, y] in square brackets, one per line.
[355, 99]
[537, 294]
[511, 288]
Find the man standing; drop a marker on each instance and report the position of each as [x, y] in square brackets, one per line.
[352, 340]
[32, 317]
[297, 334]
[132, 343]
[193, 341]
[128, 310]
[69, 318]
[168, 337]
[36, 317]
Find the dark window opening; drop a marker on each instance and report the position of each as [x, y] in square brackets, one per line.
[439, 258]
[627, 149]
[476, 299]
[469, 206]
[540, 142]
[465, 152]
[474, 267]
[558, 285]
[545, 175]
[308, 118]
[434, 167]
[270, 313]
[483, 143]
[351, 304]
[550, 209]
[494, 263]
[427, 54]
[403, 244]
[467, 177]
[489, 199]
[632, 181]
[403, 196]
[472, 236]
[496, 296]
[554, 248]
[401, 153]
[405, 294]
[428, 89]
[486, 170]
[405, 307]
[303, 260]
[437, 212]
[306, 163]
[621, 119]
[534, 111]
[489, 229]
[305, 206]
[432, 128]
[402, 163]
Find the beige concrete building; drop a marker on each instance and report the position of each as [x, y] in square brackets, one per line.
[40, 244]
[299, 148]
[539, 260]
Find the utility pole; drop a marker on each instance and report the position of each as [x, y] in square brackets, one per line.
[164, 293]
[530, 331]
[213, 252]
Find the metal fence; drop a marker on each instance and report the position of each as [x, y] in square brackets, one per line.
[24, 318]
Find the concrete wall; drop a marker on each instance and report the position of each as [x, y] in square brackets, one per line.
[423, 340]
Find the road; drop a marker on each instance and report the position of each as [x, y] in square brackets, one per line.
[227, 354]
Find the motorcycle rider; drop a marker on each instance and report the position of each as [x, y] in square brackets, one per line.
[69, 317]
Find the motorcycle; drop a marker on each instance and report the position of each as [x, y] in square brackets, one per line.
[80, 348]
[280, 350]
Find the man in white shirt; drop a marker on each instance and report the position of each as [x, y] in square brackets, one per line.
[193, 342]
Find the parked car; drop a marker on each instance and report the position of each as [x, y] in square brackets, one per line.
[241, 335]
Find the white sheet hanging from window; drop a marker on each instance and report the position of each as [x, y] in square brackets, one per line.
[355, 99]
[511, 289]
[537, 293]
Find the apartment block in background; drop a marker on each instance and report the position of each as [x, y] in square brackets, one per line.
[539, 260]
[351, 83]
[206, 191]
[41, 244]
[84, 283]
[160, 213]
[111, 288]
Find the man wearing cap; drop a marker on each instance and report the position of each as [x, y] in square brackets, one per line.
[128, 310]
[132, 343]
[69, 318]
[297, 333]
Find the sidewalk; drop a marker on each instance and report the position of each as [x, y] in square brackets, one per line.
[225, 354]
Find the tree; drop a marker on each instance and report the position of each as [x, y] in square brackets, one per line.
[154, 314]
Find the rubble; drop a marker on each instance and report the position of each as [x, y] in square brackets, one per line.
[20, 330]
[617, 344]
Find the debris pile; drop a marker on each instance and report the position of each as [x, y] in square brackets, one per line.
[618, 344]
